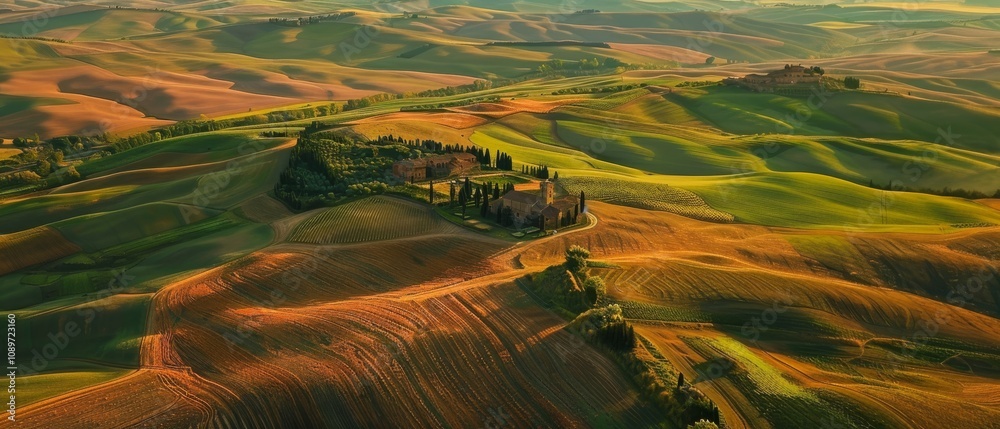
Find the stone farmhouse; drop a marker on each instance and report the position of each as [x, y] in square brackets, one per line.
[790, 75]
[542, 209]
[434, 167]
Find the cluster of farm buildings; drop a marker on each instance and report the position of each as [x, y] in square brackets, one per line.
[434, 167]
[790, 75]
[543, 208]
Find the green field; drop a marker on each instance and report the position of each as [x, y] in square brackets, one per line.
[109, 339]
[851, 114]
[107, 229]
[36, 388]
[179, 151]
[813, 201]
[783, 402]
[645, 196]
[13, 104]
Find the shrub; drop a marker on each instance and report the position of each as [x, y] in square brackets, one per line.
[703, 424]
[595, 289]
[576, 259]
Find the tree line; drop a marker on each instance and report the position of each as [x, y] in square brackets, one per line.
[969, 194]
[541, 171]
[600, 89]
[576, 294]
[501, 161]
[44, 39]
[183, 128]
[298, 22]
[584, 64]
[551, 43]
[478, 85]
[457, 103]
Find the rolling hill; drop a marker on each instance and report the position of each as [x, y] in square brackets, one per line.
[221, 241]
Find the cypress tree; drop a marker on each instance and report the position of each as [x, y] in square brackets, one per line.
[463, 200]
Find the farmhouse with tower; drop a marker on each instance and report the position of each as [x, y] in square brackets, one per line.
[543, 209]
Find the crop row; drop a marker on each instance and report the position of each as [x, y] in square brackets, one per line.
[464, 359]
[647, 311]
[370, 219]
[33, 246]
[177, 235]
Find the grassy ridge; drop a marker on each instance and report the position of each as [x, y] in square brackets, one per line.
[645, 196]
[200, 148]
[813, 201]
[527, 151]
[205, 190]
[33, 246]
[115, 328]
[853, 114]
[107, 229]
[105, 24]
